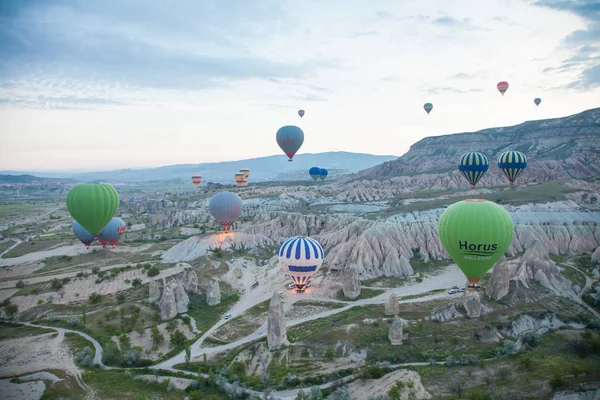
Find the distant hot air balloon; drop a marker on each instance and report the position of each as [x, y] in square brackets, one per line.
[196, 180]
[112, 232]
[92, 205]
[84, 236]
[225, 207]
[245, 171]
[240, 176]
[301, 113]
[315, 173]
[537, 101]
[300, 258]
[502, 87]
[323, 174]
[473, 166]
[475, 233]
[512, 163]
[241, 183]
[290, 139]
[428, 107]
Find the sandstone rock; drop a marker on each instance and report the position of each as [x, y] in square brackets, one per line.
[445, 313]
[351, 286]
[276, 329]
[213, 295]
[190, 280]
[472, 302]
[392, 306]
[395, 333]
[181, 298]
[499, 283]
[256, 358]
[153, 291]
[167, 304]
[596, 256]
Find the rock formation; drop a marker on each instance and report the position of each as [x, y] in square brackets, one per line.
[596, 256]
[445, 313]
[181, 298]
[276, 330]
[472, 303]
[153, 291]
[396, 332]
[392, 306]
[351, 282]
[167, 304]
[190, 281]
[213, 295]
[499, 283]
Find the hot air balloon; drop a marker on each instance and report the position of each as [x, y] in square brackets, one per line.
[84, 236]
[537, 101]
[301, 113]
[428, 107]
[196, 180]
[475, 233]
[315, 173]
[502, 87]
[225, 207]
[472, 166]
[300, 258]
[92, 205]
[240, 176]
[512, 163]
[112, 232]
[245, 171]
[290, 139]
[323, 174]
[241, 183]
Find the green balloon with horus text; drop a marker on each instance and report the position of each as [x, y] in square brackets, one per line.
[93, 205]
[475, 233]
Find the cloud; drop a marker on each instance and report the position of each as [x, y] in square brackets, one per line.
[462, 75]
[444, 89]
[450, 22]
[386, 15]
[583, 42]
[365, 33]
[139, 44]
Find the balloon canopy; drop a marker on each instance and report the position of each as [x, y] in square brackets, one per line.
[301, 113]
[196, 180]
[290, 139]
[225, 207]
[323, 174]
[537, 101]
[111, 234]
[83, 235]
[428, 107]
[315, 173]
[473, 166]
[475, 233]
[512, 164]
[245, 171]
[92, 205]
[502, 87]
[240, 176]
[300, 258]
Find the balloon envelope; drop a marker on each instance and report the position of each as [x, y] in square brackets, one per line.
[475, 233]
[196, 180]
[92, 205]
[240, 176]
[315, 173]
[473, 166]
[84, 236]
[112, 232]
[428, 107]
[502, 87]
[537, 101]
[301, 113]
[300, 258]
[225, 207]
[290, 139]
[241, 183]
[512, 163]
[323, 174]
[245, 171]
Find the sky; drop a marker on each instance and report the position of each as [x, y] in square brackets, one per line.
[106, 84]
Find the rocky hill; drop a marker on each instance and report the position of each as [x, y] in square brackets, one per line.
[556, 149]
[32, 179]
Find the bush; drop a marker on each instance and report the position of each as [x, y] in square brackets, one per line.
[530, 339]
[95, 270]
[86, 357]
[177, 338]
[120, 298]
[136, 282]
[557, 380]
[20, 284]
[153, 271]
[56, 284]
[95, 298]
[73, 321]
[132, 357]
[79, 275]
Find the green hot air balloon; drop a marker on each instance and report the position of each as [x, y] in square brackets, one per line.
[475, 233]
[93, 205]
[428, 107]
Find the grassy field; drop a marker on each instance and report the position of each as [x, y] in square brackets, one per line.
[206, 316]
[13, 331]
[31, 246]
[364, 294]
[5, 244]
[17, 209]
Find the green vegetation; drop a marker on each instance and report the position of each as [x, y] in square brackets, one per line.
[206, 316]
[5, 244]
[15, 209]
[117, 384]
[14, 331]
[30, 247]
[364, 294]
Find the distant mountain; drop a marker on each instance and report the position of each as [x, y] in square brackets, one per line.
[261, 169]
[556, 148]
[32, 179]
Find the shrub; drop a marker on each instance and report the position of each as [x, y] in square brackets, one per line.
[20, 284]
[95, 270]
[86, 357]
[557, 380]
[73, 321]
[56, 284]
[95, 298]
[153, 271]
[131, 357]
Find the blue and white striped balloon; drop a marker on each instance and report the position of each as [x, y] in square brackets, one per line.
[300, 258]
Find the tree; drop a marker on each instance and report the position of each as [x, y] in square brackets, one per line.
[302, 395]
[177, 338]
[95, 270]
[153, 271]
[137, 282]
[61, 292]
[121, 298]
[20, 284]
[12, 310]
[83, 314]
[95, 298]
[56, 284]
[188, 354]
[394, 393]
[316, 393]
[140, 331]
[340, 394]
[157, 337]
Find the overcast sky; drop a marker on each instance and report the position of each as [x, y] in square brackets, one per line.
[101, 84]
